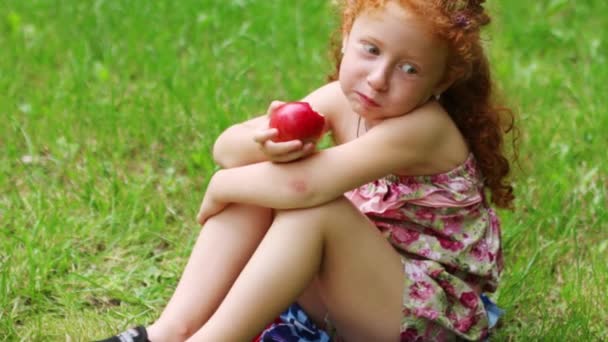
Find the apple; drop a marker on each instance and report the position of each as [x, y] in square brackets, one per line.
[296, 121]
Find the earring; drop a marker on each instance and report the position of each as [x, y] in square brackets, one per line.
[437, 96]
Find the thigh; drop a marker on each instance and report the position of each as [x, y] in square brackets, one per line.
[313, 304]
[361, 276]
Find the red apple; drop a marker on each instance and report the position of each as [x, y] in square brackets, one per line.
[297, 121]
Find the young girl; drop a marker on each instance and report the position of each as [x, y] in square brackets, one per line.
[389, 234]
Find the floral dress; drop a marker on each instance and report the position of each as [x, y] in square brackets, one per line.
[449, 239]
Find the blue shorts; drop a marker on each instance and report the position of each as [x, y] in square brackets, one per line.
[296, 326]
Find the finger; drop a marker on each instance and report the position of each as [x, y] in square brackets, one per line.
[280, 148]
[308, 148]
[261, 136]
[297, 154]
[274, 105]
[289, 157]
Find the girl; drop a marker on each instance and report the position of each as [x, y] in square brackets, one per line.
[389, 234]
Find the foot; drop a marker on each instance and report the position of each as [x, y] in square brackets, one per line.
[137, 334]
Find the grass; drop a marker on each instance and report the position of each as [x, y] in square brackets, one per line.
[108, 111]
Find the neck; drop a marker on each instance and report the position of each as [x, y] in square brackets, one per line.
[363, 125]
[370, 124]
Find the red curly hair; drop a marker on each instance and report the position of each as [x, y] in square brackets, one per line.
[470, 99]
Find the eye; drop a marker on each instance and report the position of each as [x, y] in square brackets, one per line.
[409, 69]
[371, 49]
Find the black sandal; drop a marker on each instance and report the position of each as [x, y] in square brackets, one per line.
[136, 334]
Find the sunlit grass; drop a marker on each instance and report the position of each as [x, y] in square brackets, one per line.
[108, 111]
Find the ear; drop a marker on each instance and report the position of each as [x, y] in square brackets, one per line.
[344, 42]
[443, 85]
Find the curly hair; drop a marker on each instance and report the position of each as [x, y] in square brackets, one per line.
[470, 100]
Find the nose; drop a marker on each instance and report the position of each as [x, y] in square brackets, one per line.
[379, 76]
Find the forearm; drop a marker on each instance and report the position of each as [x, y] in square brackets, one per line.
[236, 147]
[317, 179]
[269, 185]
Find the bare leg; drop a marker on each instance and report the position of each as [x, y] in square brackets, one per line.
[312, 303]
[224, 246]
[360, 276]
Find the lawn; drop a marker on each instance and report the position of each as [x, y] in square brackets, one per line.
[109, 109]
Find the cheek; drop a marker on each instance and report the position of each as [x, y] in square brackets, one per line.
[408, 96]
[347, 72]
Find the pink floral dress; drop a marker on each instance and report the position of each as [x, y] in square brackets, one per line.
[449, 239]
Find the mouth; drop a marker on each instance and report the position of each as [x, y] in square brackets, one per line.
[368, 101]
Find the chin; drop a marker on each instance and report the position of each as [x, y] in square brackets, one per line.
[359, 109]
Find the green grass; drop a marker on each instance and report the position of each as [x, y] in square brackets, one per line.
[108, 111]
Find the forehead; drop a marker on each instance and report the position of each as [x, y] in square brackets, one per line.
[399, 28]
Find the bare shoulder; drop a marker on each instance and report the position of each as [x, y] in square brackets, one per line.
[433, 142]
[328, 100]
[426, 123]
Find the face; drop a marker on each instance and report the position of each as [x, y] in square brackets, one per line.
[391, 64]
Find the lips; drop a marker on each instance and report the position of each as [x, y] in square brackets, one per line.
[369, 102]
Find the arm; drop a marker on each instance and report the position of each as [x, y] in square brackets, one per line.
[396, 144]
[236, 145]
[241, 144]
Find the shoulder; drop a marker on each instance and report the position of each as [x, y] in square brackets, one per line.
[327, 97]
[421, 126]
[426, 123]
[328, 100]
[427, 137]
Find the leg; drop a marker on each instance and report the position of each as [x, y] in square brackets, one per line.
[310, 300]
[223, 247]
[360, 276]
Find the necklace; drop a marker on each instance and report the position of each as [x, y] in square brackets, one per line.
[358, 125]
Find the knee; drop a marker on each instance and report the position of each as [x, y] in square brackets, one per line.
[241, 215]
[172, 330]
[334, 210]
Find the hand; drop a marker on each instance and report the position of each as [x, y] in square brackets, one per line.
[210, 206]
[280, 152]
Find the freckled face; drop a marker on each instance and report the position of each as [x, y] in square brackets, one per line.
[392, 63]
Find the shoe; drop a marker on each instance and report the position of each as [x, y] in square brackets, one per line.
[136, 334]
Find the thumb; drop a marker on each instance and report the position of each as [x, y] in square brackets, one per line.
[274, 105]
